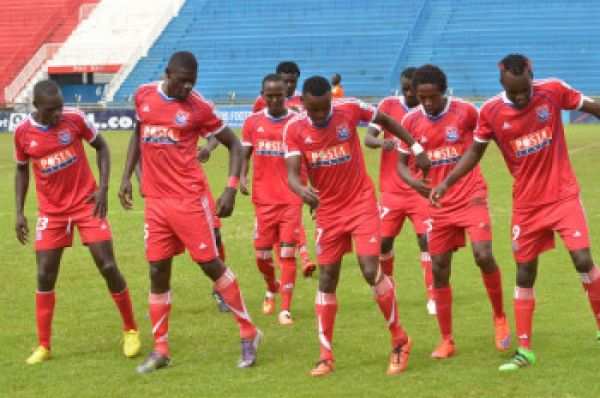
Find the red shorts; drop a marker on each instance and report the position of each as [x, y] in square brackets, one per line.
[394, 208]
[56, 231]
[448, 226]
[173, 225]
[276, 223]
[533, 230]
[211, 203]
[334, 234]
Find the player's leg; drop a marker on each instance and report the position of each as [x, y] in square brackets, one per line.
[590, 279]
[492, 279]
[265, 265]
[159, 302]
[326, 310]
[221, 248]
[48, 264]
[386, 256]
[288, 281]
[104, 258]
[308, 266]
[442, 293]
[392, 213]
[426, 267]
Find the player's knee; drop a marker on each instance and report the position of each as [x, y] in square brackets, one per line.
[387, 244]
[582, 259]
[525, 277]
[371, 273]
[484, 257]
[327, 281]
[46, 280]
[422, 240]
[108, 267]
[441, 273]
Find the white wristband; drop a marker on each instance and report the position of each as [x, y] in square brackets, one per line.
[416, 149]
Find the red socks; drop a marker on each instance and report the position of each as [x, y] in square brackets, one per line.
[123, 302]
[160, 307]
[524, 307]
[44, 310]
[221, 249]
[591, 284]
[386, 262]
[493, 285]
[427, 273]
[229, 289]
[264, 261]
[385, 295]
[326, 308]
[288, 280]
[443, 305]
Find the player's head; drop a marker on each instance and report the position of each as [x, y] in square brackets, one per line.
[516, 77]
[410, 97]
[48, 101]
[290, 72]
[273, 92]
[429, 83]
[316, 97]
[180, 75]
[336, 79]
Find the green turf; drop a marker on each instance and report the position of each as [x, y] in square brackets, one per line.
[204, 343]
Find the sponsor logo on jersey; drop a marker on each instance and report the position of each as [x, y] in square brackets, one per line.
[451, 134]
[329, 156]
[343, 132]
[270, 148]
[181, 118]
[531, 143]
[57, 161]
[543, 113]
[445, 155]
[160, 135]
[64, 137]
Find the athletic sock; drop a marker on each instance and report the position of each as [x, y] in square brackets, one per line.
[44, 311]
[288, 280]
[443, 305]
[427, 273]
[524, 308]
[160, 307]
[493, 285]
[386, 262]
[326, 308]
[385, 295]
[229, 289]
[123, 302]
[591, 284]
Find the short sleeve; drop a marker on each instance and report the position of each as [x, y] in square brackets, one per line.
[259, 105]
[21, 157]
[366, 112]
[570, 98]
[210, 122]
[247, 132]
[290, 140]
[484, 131]
[87, 130]
[472, 117]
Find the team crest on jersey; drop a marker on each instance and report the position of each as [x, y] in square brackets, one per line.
[181, 118]
[543, 113]
[451, 134]
[343, 132]
[64, 137]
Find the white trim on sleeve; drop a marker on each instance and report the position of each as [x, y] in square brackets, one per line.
[246, 144]
[223, 127]
[292, 154]
[481, 140]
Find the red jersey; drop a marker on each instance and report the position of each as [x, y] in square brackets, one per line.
[532, 141]
[389, 180]
[333, 155]
[295, 101]
[63, 178]
[169, 133]
[264, 134]
[445, 138]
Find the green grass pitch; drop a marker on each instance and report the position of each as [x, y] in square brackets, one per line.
[204, 343]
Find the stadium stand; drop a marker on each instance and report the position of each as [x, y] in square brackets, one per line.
[236, 46]
[25, 25]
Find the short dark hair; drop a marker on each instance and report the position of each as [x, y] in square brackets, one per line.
[183, 59]
[408, 73]
[272, 77]
[430, 74]
[46, 87]
[288, 67]
[516, 64]
[316, 85]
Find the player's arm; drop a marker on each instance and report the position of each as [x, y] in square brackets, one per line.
[591, 107]
[246, 155]
[309, 195]
[224, 205]
[204, 151]
[393, 126]
[372, 140]
[418, 185]
[100, 196]
[468, 161]
[133, 157]
[21, 187]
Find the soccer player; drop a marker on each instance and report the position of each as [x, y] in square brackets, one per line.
[68, 197]
[525, 121]
[278, 211]
[171, 118]
[444, 126]
[398, 201]
[290, 72]
[343, 197]
[337, 91]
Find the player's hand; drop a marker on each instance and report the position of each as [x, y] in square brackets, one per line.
[224, 205]
[422, 187]
[100, 199]
[310, 196]
[244, 185]
[22, 229]
[437, 193]
[203, 154]
[388, 144]
[126, 195]
[423, 162]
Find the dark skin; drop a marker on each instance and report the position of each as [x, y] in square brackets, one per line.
[274, 95]
[49, 110]
[387, 144]
[318, 109]
[178, 84]
[518, 90]
[434, 101]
